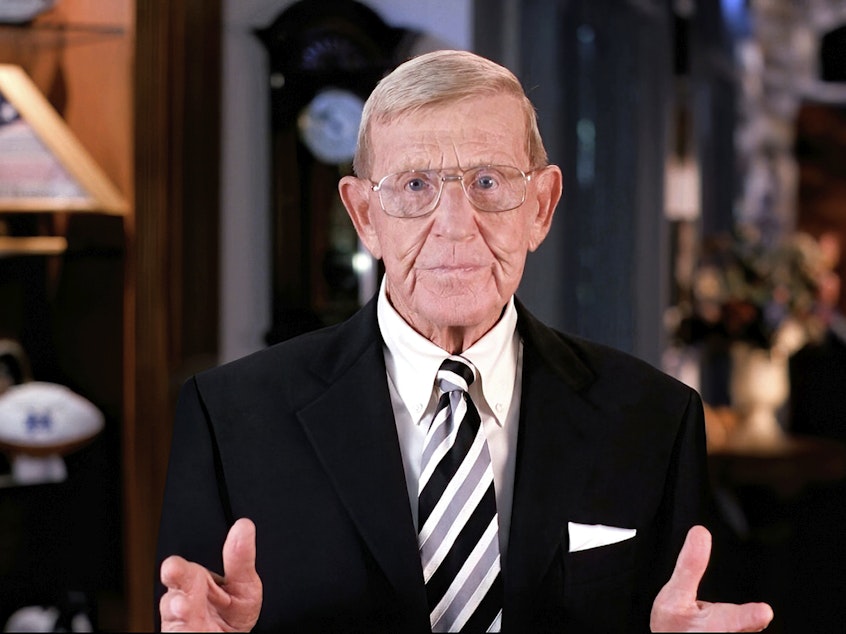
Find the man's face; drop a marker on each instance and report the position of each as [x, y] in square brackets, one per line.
[455, 268]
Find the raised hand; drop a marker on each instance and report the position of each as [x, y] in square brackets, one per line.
[676, 608]
[198, 600]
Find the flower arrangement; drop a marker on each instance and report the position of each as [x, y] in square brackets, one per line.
[745, 290]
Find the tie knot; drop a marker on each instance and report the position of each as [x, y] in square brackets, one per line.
[456, 373]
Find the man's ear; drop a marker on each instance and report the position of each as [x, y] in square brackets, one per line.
[548, 187]
[355, 194]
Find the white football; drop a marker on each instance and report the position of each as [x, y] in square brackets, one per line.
[39, 418]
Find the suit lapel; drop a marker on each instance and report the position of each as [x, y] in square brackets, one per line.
[555, 455]
[351, 427]
[352, 430]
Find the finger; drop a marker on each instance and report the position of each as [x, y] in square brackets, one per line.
[239, 553]
[172, 607]
[180, 612]
[728, 617]
[193, 598]
[186, 578]
[177, 573]
[691, 563]
[760, 615]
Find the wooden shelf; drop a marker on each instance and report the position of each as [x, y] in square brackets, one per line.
[35, 245]
[50, 205]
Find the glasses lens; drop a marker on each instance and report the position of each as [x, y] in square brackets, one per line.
[495, 187]
[488, 187]
[409, 194]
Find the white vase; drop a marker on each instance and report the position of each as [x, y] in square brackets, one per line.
[759, 386]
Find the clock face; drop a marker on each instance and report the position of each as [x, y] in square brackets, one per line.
[328, 125]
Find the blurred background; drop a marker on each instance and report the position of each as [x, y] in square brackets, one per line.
[168, 203]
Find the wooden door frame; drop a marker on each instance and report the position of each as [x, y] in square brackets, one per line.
[171, 323]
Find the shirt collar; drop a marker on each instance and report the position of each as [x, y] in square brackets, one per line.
[412, 361]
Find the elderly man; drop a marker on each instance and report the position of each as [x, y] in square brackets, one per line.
[442, 461]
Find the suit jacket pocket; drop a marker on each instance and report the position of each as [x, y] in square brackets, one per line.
[599, 588]
[600, 565]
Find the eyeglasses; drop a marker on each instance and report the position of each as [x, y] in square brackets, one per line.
[416, 193]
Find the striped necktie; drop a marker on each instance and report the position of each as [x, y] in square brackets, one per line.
[457, 520]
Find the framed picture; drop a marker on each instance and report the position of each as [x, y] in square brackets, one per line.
[43, 166]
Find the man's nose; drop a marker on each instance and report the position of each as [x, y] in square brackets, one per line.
[455, 216]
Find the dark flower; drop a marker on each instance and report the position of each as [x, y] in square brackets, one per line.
[746, 290]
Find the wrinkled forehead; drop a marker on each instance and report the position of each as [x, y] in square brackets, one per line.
[479, 131]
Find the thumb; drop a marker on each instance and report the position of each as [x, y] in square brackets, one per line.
[691, 563]
[239, 553]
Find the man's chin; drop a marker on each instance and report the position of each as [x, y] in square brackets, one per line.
[456, 284]
[451, 301]
[458, 310]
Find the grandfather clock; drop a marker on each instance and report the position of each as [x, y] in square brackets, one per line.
[325, 58]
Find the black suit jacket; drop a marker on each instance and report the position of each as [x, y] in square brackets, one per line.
[301, 439]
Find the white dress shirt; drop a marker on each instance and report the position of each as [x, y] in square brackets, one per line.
[412, 362]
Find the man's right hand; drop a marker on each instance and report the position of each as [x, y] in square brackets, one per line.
[198, 600]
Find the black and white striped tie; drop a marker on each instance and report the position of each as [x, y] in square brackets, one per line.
[457, 519]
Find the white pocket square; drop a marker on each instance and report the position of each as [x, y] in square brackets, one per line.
[584, 536]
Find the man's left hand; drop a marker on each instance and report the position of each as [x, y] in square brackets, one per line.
[676, 608]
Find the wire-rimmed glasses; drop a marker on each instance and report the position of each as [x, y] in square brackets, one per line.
[415, 193]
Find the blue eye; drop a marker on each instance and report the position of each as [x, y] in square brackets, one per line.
[486, 181]
[416, 184]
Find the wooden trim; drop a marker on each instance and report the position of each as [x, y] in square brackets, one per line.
[147, 413]
[35, 245]
[173, 254]
[19, 90]
[41, 205]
